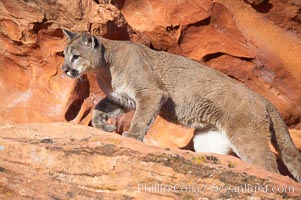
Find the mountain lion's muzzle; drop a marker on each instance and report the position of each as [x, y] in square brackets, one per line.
[70, 72]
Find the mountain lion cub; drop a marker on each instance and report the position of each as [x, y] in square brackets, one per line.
[183, 92]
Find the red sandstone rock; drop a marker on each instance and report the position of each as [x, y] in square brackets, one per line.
[160, 22]
[220, 36]
[296, 136]
[65, 161]
[167, 135]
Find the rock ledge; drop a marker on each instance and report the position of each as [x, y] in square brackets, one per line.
[67, 161]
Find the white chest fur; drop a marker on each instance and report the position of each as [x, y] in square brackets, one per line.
[123, 97]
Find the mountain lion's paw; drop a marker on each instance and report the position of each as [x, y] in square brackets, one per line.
[104, 126]
[138, 137]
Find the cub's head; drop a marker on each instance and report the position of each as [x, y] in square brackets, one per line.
[82, 54]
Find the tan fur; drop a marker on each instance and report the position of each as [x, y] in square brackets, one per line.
[183, 92]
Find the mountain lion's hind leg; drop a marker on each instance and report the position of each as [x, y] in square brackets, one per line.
[104, 110]
[251, 144]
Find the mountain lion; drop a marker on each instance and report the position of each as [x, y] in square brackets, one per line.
[182, 91]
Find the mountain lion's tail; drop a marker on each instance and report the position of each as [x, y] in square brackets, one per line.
[290, 155]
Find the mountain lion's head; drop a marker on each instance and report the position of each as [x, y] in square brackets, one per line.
[82, 54]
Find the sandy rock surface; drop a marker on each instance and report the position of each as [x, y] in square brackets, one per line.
[69, 161]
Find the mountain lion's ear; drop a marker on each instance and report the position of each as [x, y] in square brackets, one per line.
[89, 40]
[69, 34]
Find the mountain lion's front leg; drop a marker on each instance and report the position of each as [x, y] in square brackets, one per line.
[147, 109]
[104, 110]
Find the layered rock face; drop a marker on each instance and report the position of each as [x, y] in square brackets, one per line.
[255, 42]
[65, 161]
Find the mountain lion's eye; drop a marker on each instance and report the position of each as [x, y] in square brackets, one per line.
[74, 57]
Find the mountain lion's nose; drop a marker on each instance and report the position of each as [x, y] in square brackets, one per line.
[65, 68]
